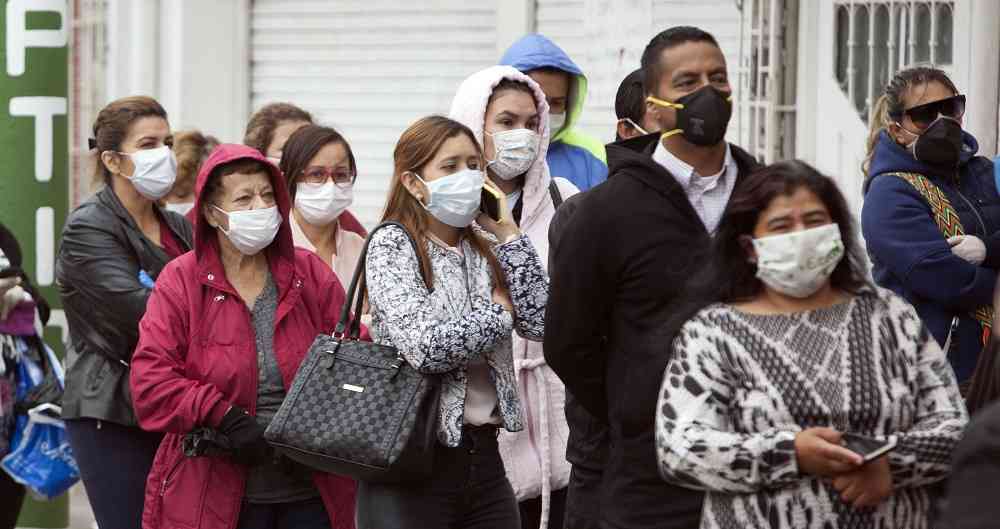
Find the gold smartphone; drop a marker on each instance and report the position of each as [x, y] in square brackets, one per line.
[489, 202]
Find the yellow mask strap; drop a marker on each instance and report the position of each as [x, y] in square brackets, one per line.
[668, 104]
[662, 103]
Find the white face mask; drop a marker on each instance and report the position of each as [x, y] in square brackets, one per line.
[321, 204]
[181, 208]
[515, 150]
[798, 264]
[155, 171]
[253, 230]
[454, 199]
[556, 123]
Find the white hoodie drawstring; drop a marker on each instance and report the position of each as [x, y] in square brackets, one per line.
[533, 366]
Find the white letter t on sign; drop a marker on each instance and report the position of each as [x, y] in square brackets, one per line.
[44, 110]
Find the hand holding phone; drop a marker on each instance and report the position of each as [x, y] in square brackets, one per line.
[870, 484]
[868, 448]
[491, 202]
[495, 217]
[819, 453]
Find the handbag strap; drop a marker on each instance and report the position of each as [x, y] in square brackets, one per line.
[359, 286]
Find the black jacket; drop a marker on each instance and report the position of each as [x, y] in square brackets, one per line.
[975, 471]
[97, 270]
[587, 445]
[622, 263]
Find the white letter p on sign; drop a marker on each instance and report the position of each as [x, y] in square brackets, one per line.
[20, 38]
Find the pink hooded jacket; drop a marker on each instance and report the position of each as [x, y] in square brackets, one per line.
[535, 457]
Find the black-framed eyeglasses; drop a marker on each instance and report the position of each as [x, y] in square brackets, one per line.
[923, 115]
[315, 174]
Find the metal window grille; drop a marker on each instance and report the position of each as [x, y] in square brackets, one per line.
[88, 60]
[877, 38]
[768, 48]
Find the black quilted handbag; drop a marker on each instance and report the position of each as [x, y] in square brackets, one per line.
[358, 408]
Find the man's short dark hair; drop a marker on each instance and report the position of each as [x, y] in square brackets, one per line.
[630, 100]
[668, 38]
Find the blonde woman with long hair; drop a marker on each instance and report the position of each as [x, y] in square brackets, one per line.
[932, 213]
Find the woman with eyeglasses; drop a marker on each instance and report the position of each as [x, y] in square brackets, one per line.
[319, 168]
[932, 213]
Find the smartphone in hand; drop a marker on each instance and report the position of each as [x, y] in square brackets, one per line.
[489, 203]
[868, 448]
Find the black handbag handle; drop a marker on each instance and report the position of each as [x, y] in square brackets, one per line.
[359, 285]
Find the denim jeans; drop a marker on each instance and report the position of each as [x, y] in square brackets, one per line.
[11, 497]
[114, 462]
[468, 490]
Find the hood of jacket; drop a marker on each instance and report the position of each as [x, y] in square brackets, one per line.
[280, 253]
[635, 156]
[891, 157]
[469, 108]
[623, 151]
[536, 51]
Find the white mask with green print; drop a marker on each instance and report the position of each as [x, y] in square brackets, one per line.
[798, 264]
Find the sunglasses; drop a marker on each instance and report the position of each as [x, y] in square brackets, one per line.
[923, 115]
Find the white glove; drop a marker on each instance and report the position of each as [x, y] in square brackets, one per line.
[968, 247]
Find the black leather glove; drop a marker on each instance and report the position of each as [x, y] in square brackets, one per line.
[245, 436]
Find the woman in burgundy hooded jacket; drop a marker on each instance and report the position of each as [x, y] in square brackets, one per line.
[224, 333]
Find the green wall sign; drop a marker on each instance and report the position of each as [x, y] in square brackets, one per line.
[34, 161]
[34, 145]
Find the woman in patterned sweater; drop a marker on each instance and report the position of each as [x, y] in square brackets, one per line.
[450, 306]
[794, 350]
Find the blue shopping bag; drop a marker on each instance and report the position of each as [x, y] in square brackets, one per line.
[996, 172]
[42, 460]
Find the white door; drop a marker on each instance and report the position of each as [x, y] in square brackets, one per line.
[605, 38]
[368, 68]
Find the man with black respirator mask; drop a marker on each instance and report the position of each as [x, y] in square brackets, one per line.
[622, 264]
[931, 216]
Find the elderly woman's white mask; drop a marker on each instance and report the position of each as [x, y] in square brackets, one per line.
[252, 230]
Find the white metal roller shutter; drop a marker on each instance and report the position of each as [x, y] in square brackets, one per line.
[369, 69]
[606, 38]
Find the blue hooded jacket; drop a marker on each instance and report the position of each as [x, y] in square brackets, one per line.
[912, 258]
[573, 155]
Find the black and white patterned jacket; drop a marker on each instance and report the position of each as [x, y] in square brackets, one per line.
[740, 386]
[442, 331]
